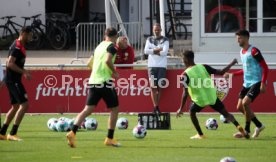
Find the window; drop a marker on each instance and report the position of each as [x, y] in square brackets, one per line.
[228, 16]
[269, 14]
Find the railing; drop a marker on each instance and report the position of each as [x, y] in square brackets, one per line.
[89, 35]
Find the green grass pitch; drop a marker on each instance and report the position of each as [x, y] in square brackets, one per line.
[41, 145]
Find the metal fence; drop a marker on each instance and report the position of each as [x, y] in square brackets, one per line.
[89, 35]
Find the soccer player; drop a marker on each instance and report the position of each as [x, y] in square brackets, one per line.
[200, 87]
[157, 48]
[125, 53]
[101, 87]
[17, 92]
[255, 71]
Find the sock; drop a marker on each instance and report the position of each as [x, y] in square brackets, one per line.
[14, 130]
[247, 127]
[235, 123]
[256, 122]
[4, 129]
[196, 124]
[75, 129]
[110, 133]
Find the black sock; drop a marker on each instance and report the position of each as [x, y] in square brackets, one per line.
[256, 122]
[247, 127]
[235, 123]
[14, 130]
[75, 129]
[196, 124]
[4, 129]
[110, 133]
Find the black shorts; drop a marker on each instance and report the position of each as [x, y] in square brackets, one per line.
[157, 76]
[17, 92]
[251, 92]
[218, 106]
[102, 91]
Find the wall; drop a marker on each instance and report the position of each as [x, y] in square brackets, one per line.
[47, 94]
[22, 8]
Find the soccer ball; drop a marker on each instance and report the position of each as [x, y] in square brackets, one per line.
[51, 124]
[64, 119]
[139, 131]
[211, 124]
[83, 123]
[122, 123]
[227, 159]
[223, 119]
[71, 123]
[62, 126]
[91, 124]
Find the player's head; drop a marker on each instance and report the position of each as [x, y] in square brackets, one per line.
[122, 42]
[26, 34]
[242, 37]
[188, 57]
[111, 34]
[157, 30]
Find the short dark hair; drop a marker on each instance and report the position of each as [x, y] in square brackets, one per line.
[110, 32]
[26, 29]
[243, 32]
[189, 54]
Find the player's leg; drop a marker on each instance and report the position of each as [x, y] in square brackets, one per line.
[250, 97]
[161, 76]
[219, 107]
[153, 79]
[194, 108]
[111, 99]
[18, 118]
[9, 117]
[92, 100]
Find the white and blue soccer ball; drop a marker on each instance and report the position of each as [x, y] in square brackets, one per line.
[71, 123]
[51, 124]
[223, 119]
[64, 119]
[122, 123]
[91, 124]
[62, 126]
[227, 159]
[211, 124]
[139, 131]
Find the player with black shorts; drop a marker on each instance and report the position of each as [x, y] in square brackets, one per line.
[100, 87]
[17, 92]
[200, 87]
[255, 72]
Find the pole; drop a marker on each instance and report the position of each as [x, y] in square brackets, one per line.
[162, 17]
[107, 14]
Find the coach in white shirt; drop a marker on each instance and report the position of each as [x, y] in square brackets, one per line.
[1, 75]
[157, 48]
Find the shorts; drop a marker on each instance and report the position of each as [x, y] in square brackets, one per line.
[251, 92]
[218, 106]
[104, 91]
[17, 93]
[157, 76]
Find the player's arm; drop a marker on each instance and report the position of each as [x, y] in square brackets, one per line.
[165, 49]
[185, 95]
[12, 65]
[256, 53]
[151, 51]
[225, 69]
[111, 51]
